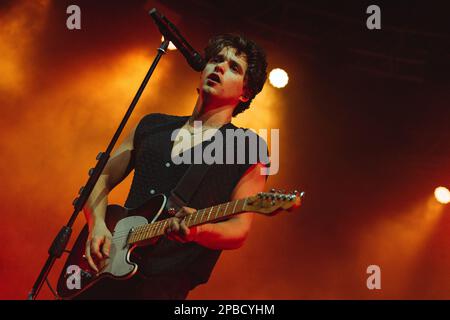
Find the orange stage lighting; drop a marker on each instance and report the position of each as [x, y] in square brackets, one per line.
[278, 78]
[171, 45]
[442, 195]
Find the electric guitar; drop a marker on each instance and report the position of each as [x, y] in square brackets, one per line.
[130, 228]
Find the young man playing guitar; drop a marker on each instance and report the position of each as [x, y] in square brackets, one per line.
[234, 74]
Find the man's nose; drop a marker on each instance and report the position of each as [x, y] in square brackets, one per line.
[219, 68]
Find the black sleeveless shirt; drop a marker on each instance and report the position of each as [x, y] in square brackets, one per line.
[155, 172]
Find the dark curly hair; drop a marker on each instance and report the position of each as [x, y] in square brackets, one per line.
[256, 73]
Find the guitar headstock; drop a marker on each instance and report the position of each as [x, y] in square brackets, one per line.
[271, 203]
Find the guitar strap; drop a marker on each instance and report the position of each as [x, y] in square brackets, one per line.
[184, 191]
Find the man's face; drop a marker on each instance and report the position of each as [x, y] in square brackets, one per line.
[223, 77]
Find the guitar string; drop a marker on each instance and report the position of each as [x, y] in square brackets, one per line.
[162, 221]
[124, 234]
[153, 226]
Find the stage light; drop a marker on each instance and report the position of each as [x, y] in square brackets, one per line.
[278, 78]
[171, 45]
[442, 195]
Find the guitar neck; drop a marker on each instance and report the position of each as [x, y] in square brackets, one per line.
[210, 214]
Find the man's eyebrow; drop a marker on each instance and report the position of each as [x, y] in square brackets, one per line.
[233, 61]
[219, 55]
[237, 64]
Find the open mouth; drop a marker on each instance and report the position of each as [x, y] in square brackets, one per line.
[214, 77]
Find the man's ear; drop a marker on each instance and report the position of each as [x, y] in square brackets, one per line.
[245, 96]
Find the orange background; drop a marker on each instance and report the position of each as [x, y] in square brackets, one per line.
[369, 184]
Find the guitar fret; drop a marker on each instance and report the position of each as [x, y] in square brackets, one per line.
[195, 218]
[148, 230]
[203, 216]
[154, 227]
[136, 235]
[140, 233]
[144, 232]
[200, 216]
[243, 204]
[153, 230]
[210, 210]
[225, 211]
[163, 227]
[188, 220]
[217, 211]
[234, 207]
[157, 228]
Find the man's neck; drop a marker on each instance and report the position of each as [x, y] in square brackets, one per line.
[211, 115]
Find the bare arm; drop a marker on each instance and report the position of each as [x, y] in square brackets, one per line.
[230, 234]
[99, 240]
[112, 175]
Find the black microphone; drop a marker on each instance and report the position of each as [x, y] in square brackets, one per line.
[170, 32]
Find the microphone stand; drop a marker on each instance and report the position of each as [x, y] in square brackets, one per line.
[60, 242]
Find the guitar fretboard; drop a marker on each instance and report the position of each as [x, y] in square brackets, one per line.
[211, 214]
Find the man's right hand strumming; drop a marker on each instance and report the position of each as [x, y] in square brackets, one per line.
[98, 244]
[99, 239]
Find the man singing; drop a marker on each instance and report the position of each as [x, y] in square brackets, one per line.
[234, 74]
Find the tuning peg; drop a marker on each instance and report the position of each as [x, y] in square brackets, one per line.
[295, 192]
[172, 211]
[272, 190]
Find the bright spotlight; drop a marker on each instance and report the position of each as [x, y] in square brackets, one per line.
[442, 195]
[278, 78]
[171, 45]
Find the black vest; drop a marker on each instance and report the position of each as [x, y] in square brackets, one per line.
[156, 173]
